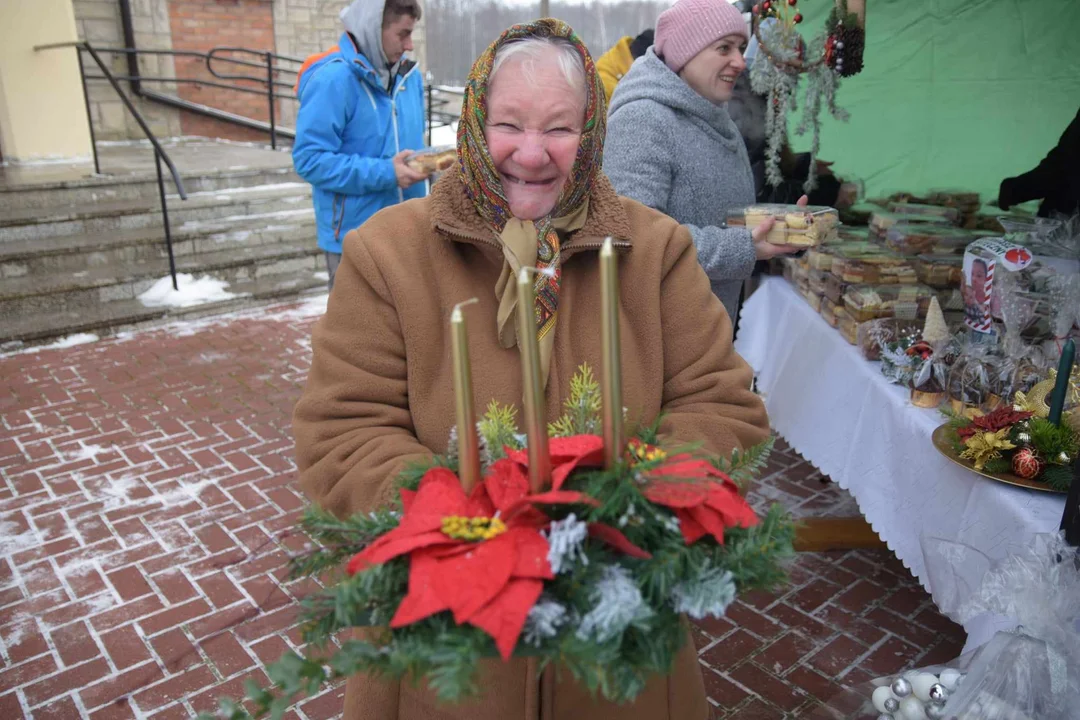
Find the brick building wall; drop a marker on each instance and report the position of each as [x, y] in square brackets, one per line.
[200, 26]
[295, 28]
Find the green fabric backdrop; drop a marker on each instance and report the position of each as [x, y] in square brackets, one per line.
[959, 93]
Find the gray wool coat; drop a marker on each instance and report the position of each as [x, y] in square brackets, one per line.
[671, 149]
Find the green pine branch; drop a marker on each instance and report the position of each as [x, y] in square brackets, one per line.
[581, 410]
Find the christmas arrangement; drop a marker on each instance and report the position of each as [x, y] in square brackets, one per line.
[1032, 439]
[785, 56]
[569, 543]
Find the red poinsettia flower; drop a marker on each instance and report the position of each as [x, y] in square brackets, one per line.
[705, 500]
[464, 558]
[567, 454]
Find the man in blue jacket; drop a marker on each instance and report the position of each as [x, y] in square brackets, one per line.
[361, 114]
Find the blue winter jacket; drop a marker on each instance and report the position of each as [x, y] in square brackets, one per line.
[348, 129]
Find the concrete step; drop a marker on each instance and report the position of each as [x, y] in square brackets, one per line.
[125, 315]
[83, 191]
[76, 253]
[116, 216]
[26, 297]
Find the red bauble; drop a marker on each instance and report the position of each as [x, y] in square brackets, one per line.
[757, 9]
[792, 2]
[1026, 464]
[766, 5]
[798, 17]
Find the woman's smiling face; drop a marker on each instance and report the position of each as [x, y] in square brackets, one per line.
[712, 72]
[534, 124]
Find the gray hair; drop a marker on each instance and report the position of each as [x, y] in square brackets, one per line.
[531, 49]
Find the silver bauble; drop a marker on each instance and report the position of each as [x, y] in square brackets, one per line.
[960, 680]
[938, 694]
[901, 687]
[892, 705]
[1024, 438]
[839, 44]
[885, 716]
[935, 712]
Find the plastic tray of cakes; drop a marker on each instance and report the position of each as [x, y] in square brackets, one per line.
[793, 225]
[433, 159]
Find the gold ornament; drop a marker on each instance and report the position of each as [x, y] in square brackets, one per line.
[1034, 400]
[986, 446]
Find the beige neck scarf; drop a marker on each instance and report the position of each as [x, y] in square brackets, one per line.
[519, 245]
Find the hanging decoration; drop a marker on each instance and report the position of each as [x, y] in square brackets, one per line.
[785, 56]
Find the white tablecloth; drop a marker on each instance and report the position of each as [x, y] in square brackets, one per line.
[838, 411]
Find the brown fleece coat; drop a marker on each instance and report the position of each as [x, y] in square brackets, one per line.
[380, 394]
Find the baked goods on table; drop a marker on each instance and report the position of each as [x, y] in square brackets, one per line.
[433, 159]
[872, 265]
[881, 221]
[907, 302]
[803, 226]
[951, 214]
[940, 270]
[916, 238]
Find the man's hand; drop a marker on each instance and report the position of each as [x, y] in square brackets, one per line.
[406, 176]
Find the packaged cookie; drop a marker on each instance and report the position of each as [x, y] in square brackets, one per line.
[804, 226]
[828, 311]
[918, 238]
[881, 221]
[949, 214]
[940, 270]
[867, 265]
[816, 280]
[906, 302]
[433, 159]
[835, 288]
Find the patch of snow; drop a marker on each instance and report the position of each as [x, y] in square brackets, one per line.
[192, 291]
[205, 358]
[115, 492]
[249, 188]
[322, 275]
[86, 452]
[18, 628]
[444, 135]
[12, 541]
[192, 225]
[314, 306]
[96, 604]
[62, 343]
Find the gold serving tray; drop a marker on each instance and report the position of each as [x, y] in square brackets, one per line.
[941, 442]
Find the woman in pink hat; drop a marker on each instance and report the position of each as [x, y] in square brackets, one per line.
[671, 144]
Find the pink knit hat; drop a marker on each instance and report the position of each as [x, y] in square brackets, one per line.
[690, 26]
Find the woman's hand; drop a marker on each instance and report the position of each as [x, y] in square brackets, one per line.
[765, 250]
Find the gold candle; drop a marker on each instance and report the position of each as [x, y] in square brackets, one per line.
[468, 444]
[535, 413]
[611, 382]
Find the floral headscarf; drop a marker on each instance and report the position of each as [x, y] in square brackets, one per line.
[484, 188]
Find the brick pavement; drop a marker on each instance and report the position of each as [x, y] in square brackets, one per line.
[140, 470]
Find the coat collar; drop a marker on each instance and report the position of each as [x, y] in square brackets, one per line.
[454, 217]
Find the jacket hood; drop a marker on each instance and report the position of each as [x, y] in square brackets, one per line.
[363, 21]
[651, 80]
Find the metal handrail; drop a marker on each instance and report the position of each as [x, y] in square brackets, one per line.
[159, 151]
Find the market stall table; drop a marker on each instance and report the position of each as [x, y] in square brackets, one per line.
[838, 411]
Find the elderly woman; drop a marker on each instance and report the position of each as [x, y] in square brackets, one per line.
[673, 146]
[528, 192]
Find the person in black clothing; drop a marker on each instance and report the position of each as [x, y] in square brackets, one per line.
[1056, 180]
